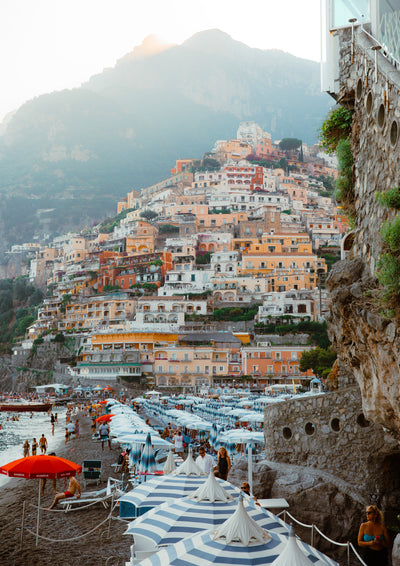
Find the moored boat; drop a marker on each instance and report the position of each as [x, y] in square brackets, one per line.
[21, 406]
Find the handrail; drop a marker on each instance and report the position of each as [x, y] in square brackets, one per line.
[313, 528]
[384, 51]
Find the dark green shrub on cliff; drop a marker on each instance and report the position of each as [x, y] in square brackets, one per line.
[390, 233]
[390, 198]
[388, 274]
[335, 128]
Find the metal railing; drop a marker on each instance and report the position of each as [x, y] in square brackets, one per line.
[314, 529]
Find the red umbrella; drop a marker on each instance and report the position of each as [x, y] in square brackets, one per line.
[108, 388]
[103, 402]
[41, 466]
[104, 418]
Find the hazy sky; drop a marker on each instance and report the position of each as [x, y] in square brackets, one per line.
[48, 45]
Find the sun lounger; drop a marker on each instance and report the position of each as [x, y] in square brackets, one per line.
[103, 496]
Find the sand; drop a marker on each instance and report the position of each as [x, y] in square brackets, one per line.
[106, 543]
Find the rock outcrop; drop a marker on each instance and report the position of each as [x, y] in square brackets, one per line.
[366, 341]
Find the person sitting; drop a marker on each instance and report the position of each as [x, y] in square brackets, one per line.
[205, 461]
[245, 487]
[73, 487]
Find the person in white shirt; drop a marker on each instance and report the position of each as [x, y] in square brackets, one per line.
[205, 461]
[178, 441]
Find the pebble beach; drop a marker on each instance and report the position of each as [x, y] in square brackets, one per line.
[64, 543]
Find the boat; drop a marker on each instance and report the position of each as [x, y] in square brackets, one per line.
[24, 406]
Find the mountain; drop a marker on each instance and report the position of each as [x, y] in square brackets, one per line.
[66, 157]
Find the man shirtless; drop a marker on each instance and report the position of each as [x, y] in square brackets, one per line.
[73, 487]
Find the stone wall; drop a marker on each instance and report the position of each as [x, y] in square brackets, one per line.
[330, 433]
[364, 336]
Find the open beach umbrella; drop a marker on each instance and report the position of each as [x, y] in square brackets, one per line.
[41, 466]
[239, 540]
[209, 506]
[160, 489]
[104, 418]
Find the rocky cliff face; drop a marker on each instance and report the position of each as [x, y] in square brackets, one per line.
[365, 337]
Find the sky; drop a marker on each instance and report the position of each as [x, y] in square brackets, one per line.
[48, 45]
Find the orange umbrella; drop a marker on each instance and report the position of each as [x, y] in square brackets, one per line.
[41, 466]
[104, 418]
[103, 402]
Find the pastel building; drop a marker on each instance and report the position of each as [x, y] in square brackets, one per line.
[298, 305]
[199, 359]
[275, 364]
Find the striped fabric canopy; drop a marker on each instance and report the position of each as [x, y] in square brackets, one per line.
[239, 540]
[173, 521]
[167, 488]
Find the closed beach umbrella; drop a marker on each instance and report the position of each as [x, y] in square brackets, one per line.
[147, 460]
[239, 540]
[40, 466]
[169, 465]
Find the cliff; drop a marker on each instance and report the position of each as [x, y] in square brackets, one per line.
[364, 329]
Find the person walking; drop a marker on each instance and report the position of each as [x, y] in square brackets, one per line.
[34, 447]
[223, 466]
[104, 435]
[43, 444]
[178, 442]
[205, 461]
[374, 538]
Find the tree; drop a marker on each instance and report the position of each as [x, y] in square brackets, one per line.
[289, 144]
[320, 360]
[210, 163]
[148, 214]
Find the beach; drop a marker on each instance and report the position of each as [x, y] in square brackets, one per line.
[107, 542]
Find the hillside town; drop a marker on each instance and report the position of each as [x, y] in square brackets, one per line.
[174, 292]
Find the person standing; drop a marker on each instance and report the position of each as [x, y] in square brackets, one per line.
[223, 466]
[178, 442]
[34, 447]
[374, 538]
[104, 435]
[205, 461]
[43, 444]
[52, 420]
[25, 448]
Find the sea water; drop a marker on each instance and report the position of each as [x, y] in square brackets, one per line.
[14, 433]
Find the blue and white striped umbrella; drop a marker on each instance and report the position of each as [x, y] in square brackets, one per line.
[166, 488]
[213, 434]
[173, 521]
[147, 460]
[239, 540]
[135, 454]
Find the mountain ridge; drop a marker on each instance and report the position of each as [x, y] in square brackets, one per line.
[124, 128]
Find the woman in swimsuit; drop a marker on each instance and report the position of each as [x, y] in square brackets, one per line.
[374, 538]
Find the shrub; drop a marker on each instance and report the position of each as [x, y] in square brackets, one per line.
[390, 198]
[335, 128]
[388, 274]
[390, 233]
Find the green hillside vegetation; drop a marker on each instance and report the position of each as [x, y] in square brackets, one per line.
[18, 302]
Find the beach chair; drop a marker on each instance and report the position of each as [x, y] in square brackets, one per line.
[91, 471]
[103, 496]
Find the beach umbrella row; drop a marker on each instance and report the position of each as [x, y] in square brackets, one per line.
[239, 540]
